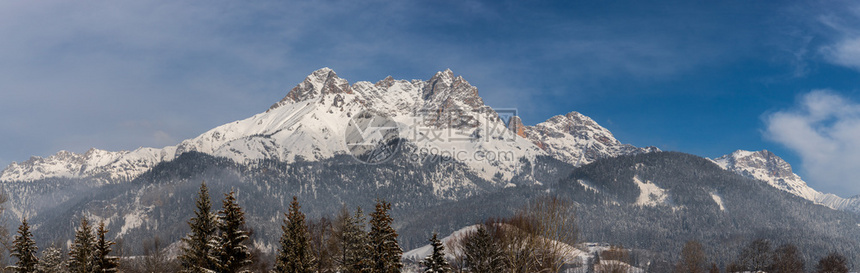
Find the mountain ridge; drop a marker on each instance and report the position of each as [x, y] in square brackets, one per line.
[308, 122]
[297, 148]
[324, 99]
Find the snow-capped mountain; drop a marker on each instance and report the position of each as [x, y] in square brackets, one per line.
[770, 168]
[104, 165]
[443, 116]
[575, 139]
[297, 147]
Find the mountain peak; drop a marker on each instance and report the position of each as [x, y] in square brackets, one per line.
[580, 119]
[385, 83]
[320, 82]
[574, 121]
[766, 166]
[765, 160]
[445, 90]
[444, 74]
[577, 139]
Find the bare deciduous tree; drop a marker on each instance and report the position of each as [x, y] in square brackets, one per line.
[832, 263]
[323, 245]
[692, 258]
[539, 238]
[787, 259]
[454, 246]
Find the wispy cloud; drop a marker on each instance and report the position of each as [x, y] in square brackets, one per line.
[842, 29]
[824, 130]
[73, 73]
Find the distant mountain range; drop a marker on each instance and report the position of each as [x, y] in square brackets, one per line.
[297, 147]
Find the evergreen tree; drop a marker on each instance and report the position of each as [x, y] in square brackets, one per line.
[295, 254]
[103, 261]
[385, 252]
[355, 244]
[436, 263]
[231, 251]
[196, 253]
[338, 228]
[483, 255]
[832, 263]
[81, 254]
[52, 260]
[24, 248]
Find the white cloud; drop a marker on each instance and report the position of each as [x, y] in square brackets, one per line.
[846, 52]
[844, 49]
[71, 71]
[824, 130]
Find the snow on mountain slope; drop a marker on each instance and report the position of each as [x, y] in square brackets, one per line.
[422, 252]
[443, 118]
[766, 166]
[114, 166]
[649, 193]
[575, 139]
[577, 257]
[451, 242]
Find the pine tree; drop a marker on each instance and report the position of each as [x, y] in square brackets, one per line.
[355, 244]
[483, 255]
[231, 251]
[436, 263]
[385, 252]
[24, 248]
[294, 255]
[52, 260]
[103, 261]
[81, 254]
[196, 253]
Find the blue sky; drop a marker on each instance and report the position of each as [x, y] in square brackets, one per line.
[703, 77]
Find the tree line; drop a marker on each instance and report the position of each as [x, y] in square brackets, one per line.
[759, 256]
[219, 242]
[538, 238]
